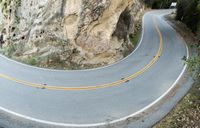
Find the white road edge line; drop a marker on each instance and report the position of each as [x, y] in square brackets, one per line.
[105, 123]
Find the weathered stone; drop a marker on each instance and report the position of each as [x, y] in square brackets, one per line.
[76, 32]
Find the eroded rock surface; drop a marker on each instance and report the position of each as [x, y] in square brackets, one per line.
[74, 34]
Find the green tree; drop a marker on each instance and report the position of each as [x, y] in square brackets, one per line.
[159, 4]
[188, 11]
[181, 9]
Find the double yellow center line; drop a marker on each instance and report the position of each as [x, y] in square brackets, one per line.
[115, 83]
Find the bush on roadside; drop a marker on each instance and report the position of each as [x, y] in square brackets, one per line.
[194, 66]
[31, 60]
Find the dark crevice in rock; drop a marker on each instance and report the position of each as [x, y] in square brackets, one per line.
[63, 4]
[123, 25]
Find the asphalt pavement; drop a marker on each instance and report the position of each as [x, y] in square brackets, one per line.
[102, 96]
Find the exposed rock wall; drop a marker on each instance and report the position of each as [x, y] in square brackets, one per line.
[70, 33]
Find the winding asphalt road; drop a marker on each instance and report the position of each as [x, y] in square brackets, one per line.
[100, 96]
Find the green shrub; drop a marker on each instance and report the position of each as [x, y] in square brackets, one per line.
[31, 60]
[135, 38]
[8, 50]
[194, 66]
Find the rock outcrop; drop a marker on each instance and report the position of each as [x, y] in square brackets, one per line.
[74, 34]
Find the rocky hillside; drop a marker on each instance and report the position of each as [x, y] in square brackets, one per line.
[74, 34]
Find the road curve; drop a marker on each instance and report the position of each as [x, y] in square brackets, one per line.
[87, 98]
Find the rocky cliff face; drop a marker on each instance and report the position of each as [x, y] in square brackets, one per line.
[70, 33]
